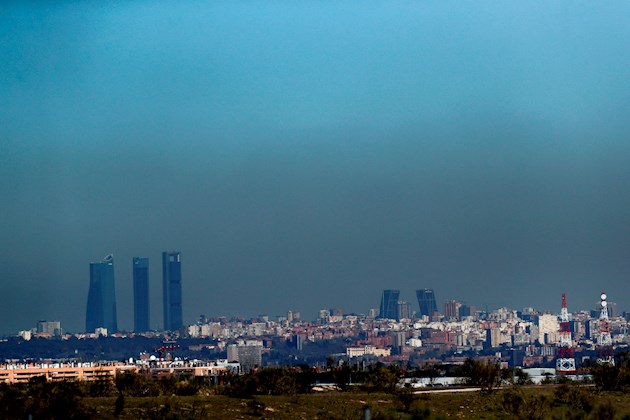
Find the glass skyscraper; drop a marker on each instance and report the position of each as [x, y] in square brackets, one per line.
[172, 290]
[426, 301]
[389, 304]
[140, 294]
[101, 305]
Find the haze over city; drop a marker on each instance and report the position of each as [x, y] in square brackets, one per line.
[309, 155]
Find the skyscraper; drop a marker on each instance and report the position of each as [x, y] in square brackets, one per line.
[140, 294]
[452, 309]
[172, 290]
[426, 301]
[101, 305]
[403, 310]
[389, 304]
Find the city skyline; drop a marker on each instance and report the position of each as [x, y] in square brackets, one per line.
[311, 155]
[390, 302]
[391, 306]
[102, 295]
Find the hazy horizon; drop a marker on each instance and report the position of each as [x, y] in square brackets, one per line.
[306, 155]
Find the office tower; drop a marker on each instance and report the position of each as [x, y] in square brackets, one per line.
[172, 290]
[426, 300]
[389, 304]
[101, 305]
[403, 310]
[141, 294]
[452, 309]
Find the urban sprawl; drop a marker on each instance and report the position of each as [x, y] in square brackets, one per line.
[555, 343]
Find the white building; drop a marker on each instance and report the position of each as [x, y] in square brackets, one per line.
[548, 328]
[367, 351]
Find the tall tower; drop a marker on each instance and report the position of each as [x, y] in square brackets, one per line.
[389, 304]
[101, 304]
[604, 342]
[565, 363]
[426, 301]
[141, 294]
[403, 310]
[452, 309]
[172, 290]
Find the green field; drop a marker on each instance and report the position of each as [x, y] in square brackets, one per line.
[550, 401]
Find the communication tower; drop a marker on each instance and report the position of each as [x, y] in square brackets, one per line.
[604, 343]
[565, 363]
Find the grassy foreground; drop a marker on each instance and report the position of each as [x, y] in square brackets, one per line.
[542, 402]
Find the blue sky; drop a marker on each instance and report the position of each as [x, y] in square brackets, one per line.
[304, 155]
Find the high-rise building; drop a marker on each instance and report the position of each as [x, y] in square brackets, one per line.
[141, 294]
[548, 328]
[172, 290]
[403, 310]
[49, 327]
[452, 309]
[249, 356]
[389, 304]
[465, 310]
[101, 305]
[426, 301]
[493, 338]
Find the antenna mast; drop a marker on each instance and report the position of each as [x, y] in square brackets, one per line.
[604, 343]
[565, 363]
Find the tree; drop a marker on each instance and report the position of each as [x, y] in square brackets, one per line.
[605, 376]
[382, 379]
[241, 386]
[341, 376]
[485, 375]
[521, 377]
[54, 400]
[304, 380]
[119, 405]
[274, 381]
[523, 406]
[136, 385]
[406, 397]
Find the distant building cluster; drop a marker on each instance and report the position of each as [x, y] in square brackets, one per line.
[393, 332]
[101, 304]
[43, 329]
